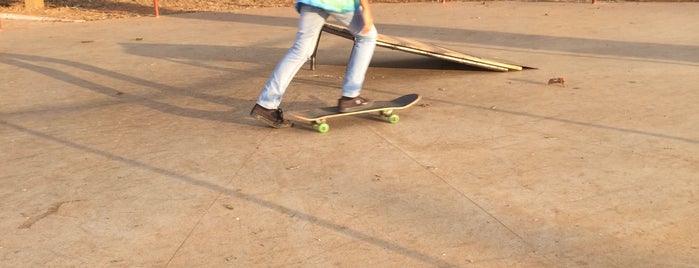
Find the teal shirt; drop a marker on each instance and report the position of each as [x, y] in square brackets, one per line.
[338, 6]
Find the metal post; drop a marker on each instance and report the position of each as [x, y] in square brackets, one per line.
[315, 52]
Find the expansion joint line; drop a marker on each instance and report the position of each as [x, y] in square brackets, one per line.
[217, 197]
[461, 193]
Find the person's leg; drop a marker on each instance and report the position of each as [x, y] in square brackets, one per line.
[310, 23]
[362, 52]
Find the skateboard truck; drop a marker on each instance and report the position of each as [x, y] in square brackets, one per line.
[322, 126]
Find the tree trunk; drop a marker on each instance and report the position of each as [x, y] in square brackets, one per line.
[33, 4]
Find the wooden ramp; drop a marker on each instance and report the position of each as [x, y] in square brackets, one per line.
[419, 48]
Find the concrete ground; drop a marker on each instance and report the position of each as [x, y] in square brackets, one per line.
[126, 143]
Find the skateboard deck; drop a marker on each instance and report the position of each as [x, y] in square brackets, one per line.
[318, 117]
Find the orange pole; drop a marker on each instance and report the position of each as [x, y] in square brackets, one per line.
[157, 8]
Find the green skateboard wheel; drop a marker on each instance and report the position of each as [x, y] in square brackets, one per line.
[393, 118]
[323, 127]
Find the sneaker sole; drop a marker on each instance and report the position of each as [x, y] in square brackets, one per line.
[269, 122]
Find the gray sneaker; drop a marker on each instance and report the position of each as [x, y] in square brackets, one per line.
[346, 104]
[272, 117]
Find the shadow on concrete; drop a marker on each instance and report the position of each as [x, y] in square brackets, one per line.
[610, 48]
[193, 54]
[198, 53]
[560, 120]
[36, 64]
[335, 227]
[423, 63]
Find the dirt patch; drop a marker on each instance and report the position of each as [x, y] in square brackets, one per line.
[110, 9]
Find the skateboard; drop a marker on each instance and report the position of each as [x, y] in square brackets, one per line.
[318, 117]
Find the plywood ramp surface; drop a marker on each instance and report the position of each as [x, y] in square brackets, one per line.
[430, 50]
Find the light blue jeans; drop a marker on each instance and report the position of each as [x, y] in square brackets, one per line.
[310, 24]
